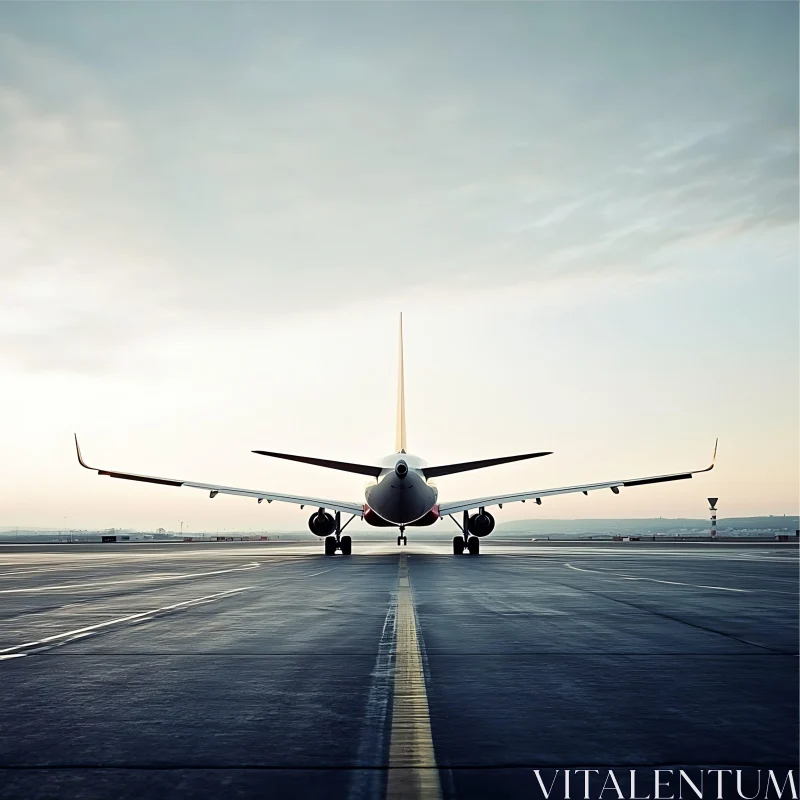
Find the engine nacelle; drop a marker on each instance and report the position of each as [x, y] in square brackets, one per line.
[321, 523]
[481, 524]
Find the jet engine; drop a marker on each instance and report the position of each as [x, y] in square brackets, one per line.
[321, 523]
[481, 524]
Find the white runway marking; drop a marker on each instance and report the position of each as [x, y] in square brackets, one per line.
[79, 633]
[412, 763]
[314, 574]
[655, 580]
[94, 608]
[66, 566]
[706, 553]
[33, 571]
[149, 578]
[787, 559]
[367, 782]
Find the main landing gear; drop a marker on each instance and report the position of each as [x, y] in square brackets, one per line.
[465, 542]
[345, 544]
[402, 538]
[337, 541]
[471, 545]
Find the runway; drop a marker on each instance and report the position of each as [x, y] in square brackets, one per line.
[261, 670]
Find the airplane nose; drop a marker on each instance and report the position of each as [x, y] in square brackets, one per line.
[401, 469]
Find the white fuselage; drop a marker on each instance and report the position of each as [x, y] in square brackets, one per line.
[402, 494]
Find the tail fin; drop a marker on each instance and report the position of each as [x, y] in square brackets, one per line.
[400, 442]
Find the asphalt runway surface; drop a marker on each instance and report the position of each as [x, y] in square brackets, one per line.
[264, 670]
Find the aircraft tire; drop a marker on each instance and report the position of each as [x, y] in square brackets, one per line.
[458, 545]
[347, 545]
[330, 545]
[474, 545]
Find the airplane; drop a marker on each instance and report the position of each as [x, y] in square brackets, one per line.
[402, 495]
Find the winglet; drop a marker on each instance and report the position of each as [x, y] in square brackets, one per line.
[80, 458]
[713, 458]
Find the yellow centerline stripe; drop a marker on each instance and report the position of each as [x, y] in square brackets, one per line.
[413, 773]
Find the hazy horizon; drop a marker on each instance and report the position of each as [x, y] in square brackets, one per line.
[538, 521]
[212, 215]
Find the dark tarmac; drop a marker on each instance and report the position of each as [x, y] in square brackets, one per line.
[264, 670]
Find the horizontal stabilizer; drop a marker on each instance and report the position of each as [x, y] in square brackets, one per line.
[466, 466]
[344, 466]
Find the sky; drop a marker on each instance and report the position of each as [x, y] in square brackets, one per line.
[211, 215]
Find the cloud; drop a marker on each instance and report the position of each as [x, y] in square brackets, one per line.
[263, 160]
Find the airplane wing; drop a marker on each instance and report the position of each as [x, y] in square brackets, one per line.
[213, 489]
[538, 494]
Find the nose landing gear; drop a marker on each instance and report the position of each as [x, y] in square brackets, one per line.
[402, 539]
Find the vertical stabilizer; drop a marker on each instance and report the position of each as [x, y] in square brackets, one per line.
[400, 443]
